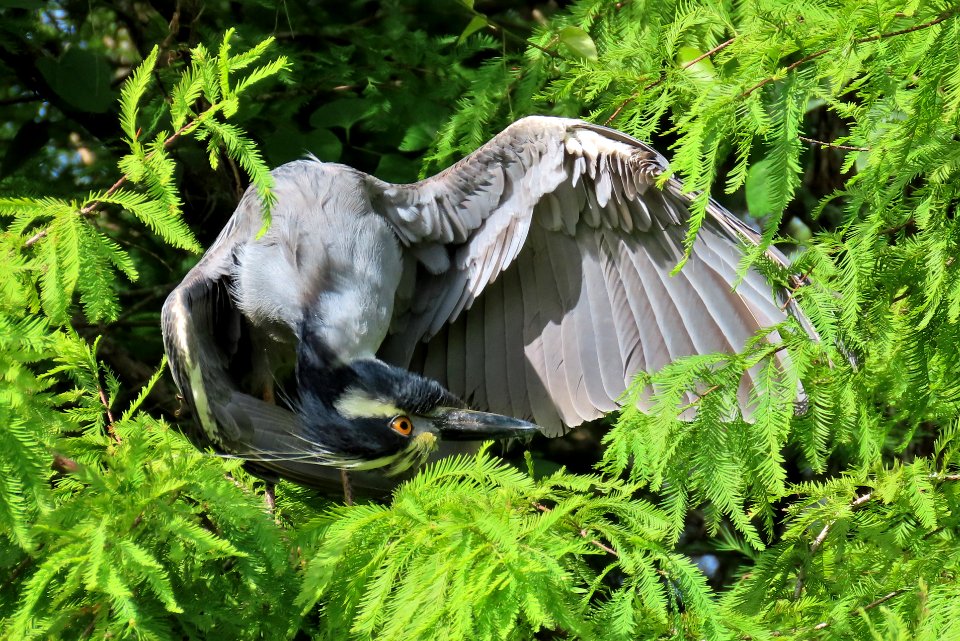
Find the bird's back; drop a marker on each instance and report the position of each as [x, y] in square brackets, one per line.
[530, 279]
[326, 260]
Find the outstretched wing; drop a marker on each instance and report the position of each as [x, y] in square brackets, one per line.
[536, 281]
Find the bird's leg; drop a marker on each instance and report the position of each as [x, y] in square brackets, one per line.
[270, 496]
[347, 490]
[269, 489]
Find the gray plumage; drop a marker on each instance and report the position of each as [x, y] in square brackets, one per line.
[530, 279]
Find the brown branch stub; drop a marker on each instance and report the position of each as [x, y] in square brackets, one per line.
[64, 464]
[110, 421]
[35, 238]
[883, 599]
[945, 477]
[347, 487]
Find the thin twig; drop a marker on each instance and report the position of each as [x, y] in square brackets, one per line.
[106, 405]
[822, 52]
[869, 606]
[709, 390]
[89, 629]
[17, 570]
[583, 533]
[793, 291]
[790, 68]
[270, 498]
[945, 477]
[238, 181]
[93, 205]
[817, 542]
[659, 80]
[833, 145]
[896, 228]
[347, 487]
[720, 46]
[40, 234]
[882, 599]
[606, 548]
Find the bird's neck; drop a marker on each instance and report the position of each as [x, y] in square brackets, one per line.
[320, 373]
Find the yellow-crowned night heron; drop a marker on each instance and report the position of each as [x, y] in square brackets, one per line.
[529, 280]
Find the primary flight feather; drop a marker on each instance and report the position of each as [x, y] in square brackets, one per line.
[530, 280]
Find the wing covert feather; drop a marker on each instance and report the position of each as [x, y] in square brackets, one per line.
[558, 289]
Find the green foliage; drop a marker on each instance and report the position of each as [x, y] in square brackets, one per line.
[508, 555]
[831, 510]
[112, 526]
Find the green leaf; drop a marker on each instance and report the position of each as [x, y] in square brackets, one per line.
[760, 200]
[476, 24]
[397, 168]
[579, 43]
[702, 69]
[80, 77]
[288, 143]
[345, 113]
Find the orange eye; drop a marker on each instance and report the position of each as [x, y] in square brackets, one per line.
[402, 425]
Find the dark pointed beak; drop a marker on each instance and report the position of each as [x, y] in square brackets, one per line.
[466, 425]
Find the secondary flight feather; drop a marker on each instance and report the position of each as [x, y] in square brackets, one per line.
[529, 280]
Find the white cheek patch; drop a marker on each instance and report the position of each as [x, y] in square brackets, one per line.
[355, 403]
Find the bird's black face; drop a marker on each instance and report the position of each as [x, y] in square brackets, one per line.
[370, 414]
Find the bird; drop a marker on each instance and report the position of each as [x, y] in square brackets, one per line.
[517, 292]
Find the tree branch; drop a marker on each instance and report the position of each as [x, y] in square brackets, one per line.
[656, 82]
[817, 542]
[943, 16]
[94, 205]
[834, 145]
[869, 606]
[583, 533]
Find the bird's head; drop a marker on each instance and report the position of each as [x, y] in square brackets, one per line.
[369, 414]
